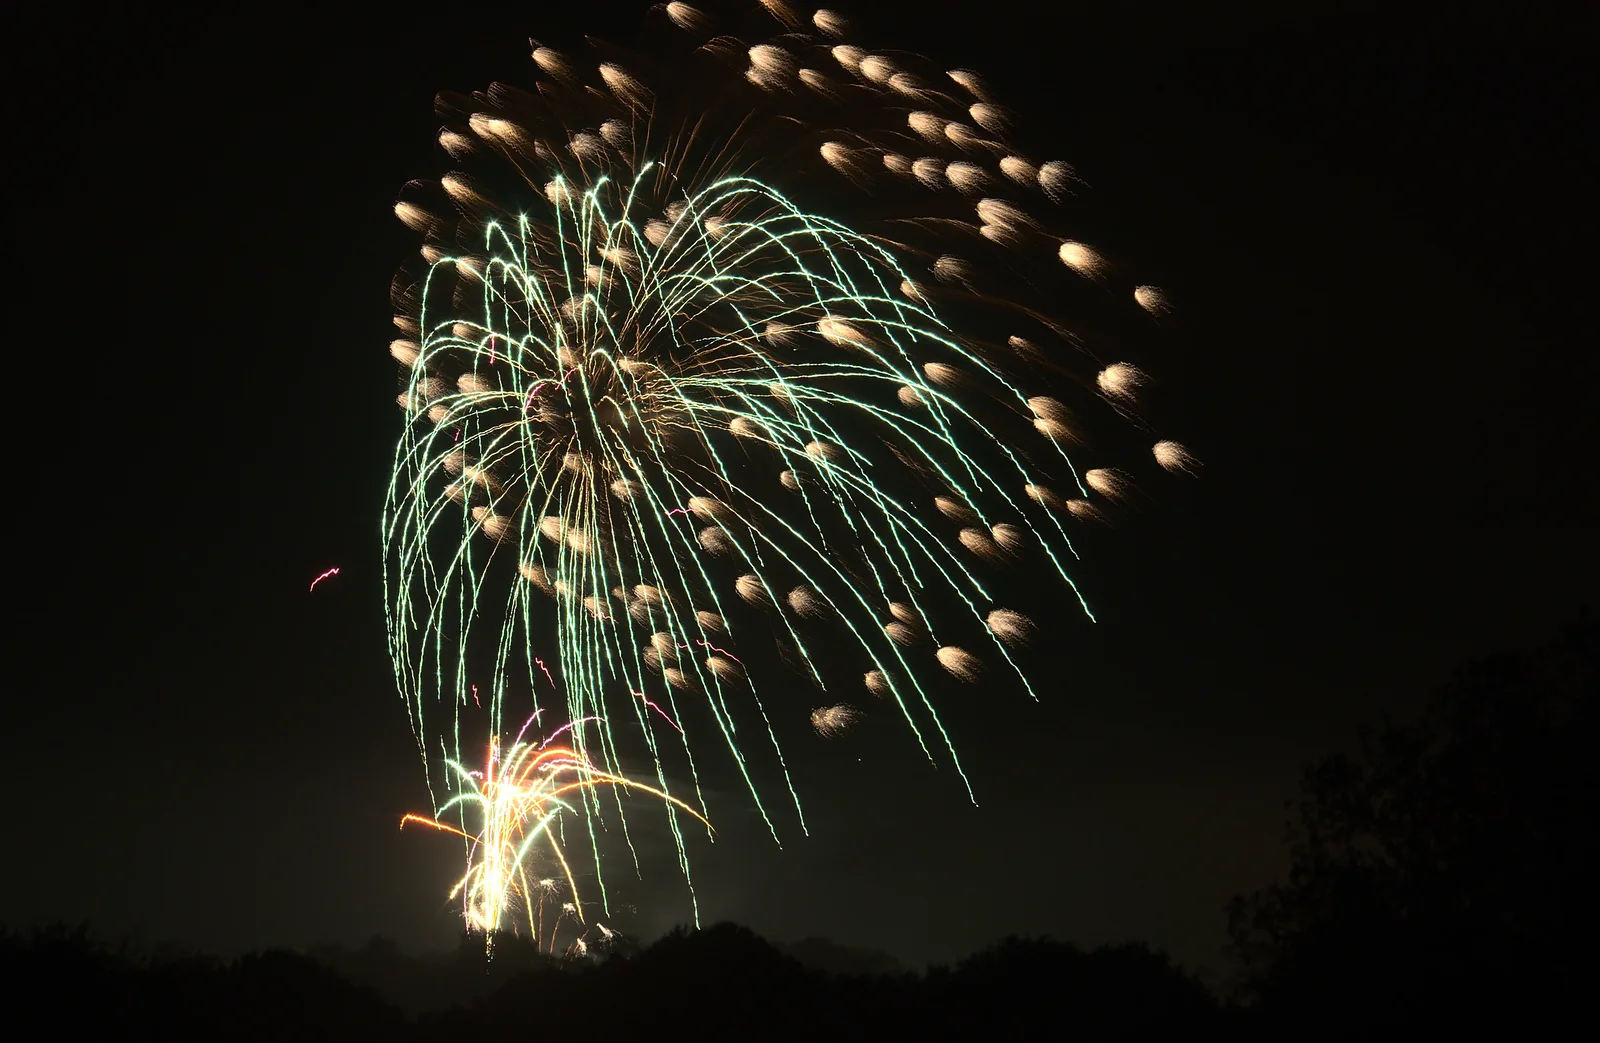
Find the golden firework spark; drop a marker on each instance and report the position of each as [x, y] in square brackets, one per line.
[518, 799]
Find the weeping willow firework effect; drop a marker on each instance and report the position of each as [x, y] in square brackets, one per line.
[726, 390]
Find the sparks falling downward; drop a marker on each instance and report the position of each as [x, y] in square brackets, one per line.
[723, 354]
[518, 800]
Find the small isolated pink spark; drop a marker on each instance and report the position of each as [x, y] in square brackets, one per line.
[540, 664]
[331, 572]
[659, 710]
[677, 510]
[475, 697]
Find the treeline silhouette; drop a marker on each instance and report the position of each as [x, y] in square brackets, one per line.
[721, 983]
[1445, 875]
[1441, 879]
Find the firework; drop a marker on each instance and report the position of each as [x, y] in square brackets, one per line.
[519, 800]
[724, 351]
[831, 721]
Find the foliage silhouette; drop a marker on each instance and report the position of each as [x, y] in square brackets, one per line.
[723, 982]
[820, 954]
[1448, 869]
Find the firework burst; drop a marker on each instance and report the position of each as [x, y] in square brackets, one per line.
[725, 351]
[519, 800]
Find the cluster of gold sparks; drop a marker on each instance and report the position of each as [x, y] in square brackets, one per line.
[518, 798]
[726, 353]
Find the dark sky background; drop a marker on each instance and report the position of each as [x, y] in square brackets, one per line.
[1379, 236]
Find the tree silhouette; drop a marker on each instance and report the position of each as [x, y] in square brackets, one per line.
[721, 983]
[821, 954]
[1446, 870]
[1029, 987]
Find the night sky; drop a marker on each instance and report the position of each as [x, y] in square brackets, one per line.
[1377, 236]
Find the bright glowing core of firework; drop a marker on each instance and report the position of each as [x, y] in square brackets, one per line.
[518, 801]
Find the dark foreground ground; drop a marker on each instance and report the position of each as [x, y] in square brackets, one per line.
[723, 983]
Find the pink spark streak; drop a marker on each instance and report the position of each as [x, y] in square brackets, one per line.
[567, 727]
[539, 384]
[331, 572]
[528, 724]
[708, 646]
[659, 710]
